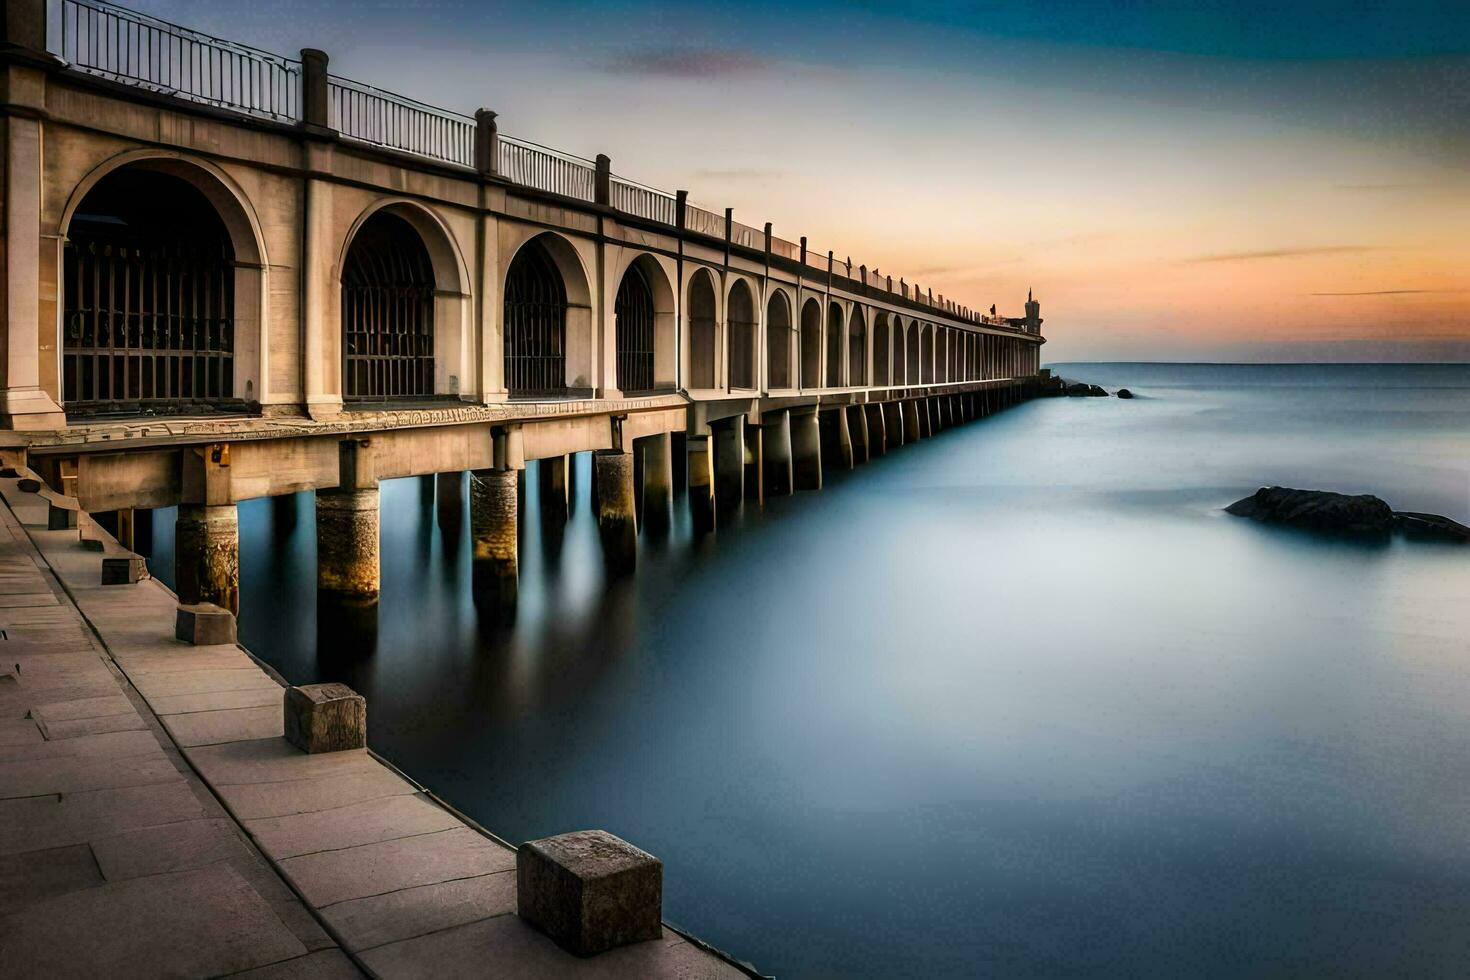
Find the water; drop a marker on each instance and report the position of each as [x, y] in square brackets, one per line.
[1015, 701]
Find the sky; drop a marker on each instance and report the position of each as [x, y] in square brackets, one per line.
[1200, 181]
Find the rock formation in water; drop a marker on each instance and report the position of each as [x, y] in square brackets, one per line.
[1124, 393]
[1322, 510]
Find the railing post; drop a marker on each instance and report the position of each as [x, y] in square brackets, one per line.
[768, 238]
[729, 230]
[602, 194]
[486, 136]
[803, 250]
[24, 26]
[314, 111]
[681, 204]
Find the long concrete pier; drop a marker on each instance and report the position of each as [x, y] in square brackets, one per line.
[154, 821]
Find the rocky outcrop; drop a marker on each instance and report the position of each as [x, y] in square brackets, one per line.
[1081, 389]
[1322, 510]
[1124, 393]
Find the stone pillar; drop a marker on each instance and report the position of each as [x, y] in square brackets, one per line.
[447, 489]
[893, 423]
[857, 432]
[347, 526]
[551, 480]
[617, 524]
[700, 457]
[207, 555]
[127, 529]
[913, 429]
[729, 445]
[836, 441]
[877, 429]
[806, 451]
[755, 465]
[658, 479]
[776, 452]
[494, 534]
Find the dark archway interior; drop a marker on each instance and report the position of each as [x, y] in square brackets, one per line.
[742, 336]
[701, 331]
[811, 345]
[778, 342]
[634, 315]
[535, 324]
[834, 346]
[148, 300]
[387, 313]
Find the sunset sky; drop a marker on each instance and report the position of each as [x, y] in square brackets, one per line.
[1178, 181]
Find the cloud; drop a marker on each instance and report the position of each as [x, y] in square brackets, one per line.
[673, 61]
[1391, 292]
[1284, 253]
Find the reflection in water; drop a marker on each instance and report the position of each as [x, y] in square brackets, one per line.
[1017, 700]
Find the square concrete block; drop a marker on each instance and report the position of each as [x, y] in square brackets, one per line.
[590, 891]
[325, 718]
[62, 516]
[125, 570]
[203, 624]
[92, 544]
[27, 485]
[9, 472]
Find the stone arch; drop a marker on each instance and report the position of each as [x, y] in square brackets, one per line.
[548, 320]
[740, 314]
[836, 348]
[703, 330]
[778, 341]
[811, 343]
[399, 268]
[133, 218]
[857, 348]
[900, 352]
[643, 326]
[926, 353]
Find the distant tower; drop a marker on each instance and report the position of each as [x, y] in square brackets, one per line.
[1033, 314]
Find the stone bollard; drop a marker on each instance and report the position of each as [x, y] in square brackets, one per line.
[27, 485]
[125, 570]
[590, 891]
[62, 515]
[325, 718]
[204, 624]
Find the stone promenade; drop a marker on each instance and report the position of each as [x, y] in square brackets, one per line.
[154, 821]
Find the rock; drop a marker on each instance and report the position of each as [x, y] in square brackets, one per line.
[325, 718]
[1417, 525]
[1078, 389]
[1320, 510]
[1124, 393]
[590, 891]
[1097, 391]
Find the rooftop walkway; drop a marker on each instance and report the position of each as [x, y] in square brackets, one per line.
[154, 821]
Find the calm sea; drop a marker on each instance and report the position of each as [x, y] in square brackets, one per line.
[1015, 701]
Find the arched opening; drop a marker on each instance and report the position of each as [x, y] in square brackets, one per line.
[149, 307]
[634, 329]
[926, 354]
[702, 330]
[857, 348]
[741, 318]
[914, 353]
[387, 313]
[941, 354]
[811, 344]
[881, 332]
[900, 352]
[834, 345]
[778, 341]
[535, 324]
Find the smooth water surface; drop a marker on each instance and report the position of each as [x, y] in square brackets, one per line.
[1015, 701]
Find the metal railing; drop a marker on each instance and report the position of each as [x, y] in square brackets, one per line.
[136, 49]
[785, 249]
[372, 115]
[633, 198]
[546, 169]
[704, 222]
[747, 236]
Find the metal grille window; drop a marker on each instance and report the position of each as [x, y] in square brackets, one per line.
[742, 336]
[881, 331]
[857, 350]
[149, 299]
[387, 313]
[701, 331]
[633, 311]
[834, 346]
[535, 324]
[811, 345]
[778, 342]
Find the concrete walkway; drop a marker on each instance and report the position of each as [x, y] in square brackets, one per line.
[153, 821]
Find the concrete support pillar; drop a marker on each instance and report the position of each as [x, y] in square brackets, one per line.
[658, 479]
[347, 542]
[755, 464]
[447, 490]
[877, 429]
[494, 533]
[551, 480]
[700, 460]
[127, 529]
[857, 432]
[836, 440]
[776, 453]
[729, 445]
[913, 430]
[806, 451]
[207, 555]
[893, 423]
[617, 523]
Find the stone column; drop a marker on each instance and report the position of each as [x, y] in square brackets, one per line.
[447, 489]
[551, 480]
[836, 442]
[857, 432]
[658, 479]
[207, 555]
[877, 429]
[617, 524]
[776, 452]
[347, 526]
[729, 445]
[893, 423]
[913, 425]
[494, 534]
[698, 451]
[806, 451]
[755, 466]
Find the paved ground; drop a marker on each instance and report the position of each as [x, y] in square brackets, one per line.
[151, 814]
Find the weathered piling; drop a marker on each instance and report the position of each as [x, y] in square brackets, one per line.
[207, 555]
[617, 523]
